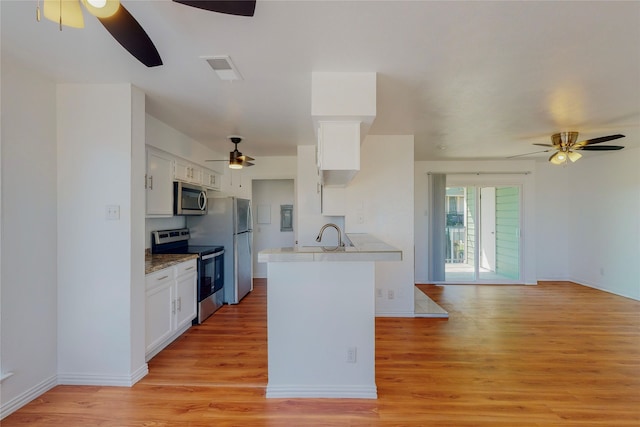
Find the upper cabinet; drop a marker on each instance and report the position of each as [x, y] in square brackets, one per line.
[343, 107]
[162, 170]
[338, 152]
[187, 172]
[159, 183]
[211, 179]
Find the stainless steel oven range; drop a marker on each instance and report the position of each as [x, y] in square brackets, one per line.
[210, 267]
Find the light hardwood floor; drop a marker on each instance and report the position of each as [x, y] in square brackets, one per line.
[556, 354]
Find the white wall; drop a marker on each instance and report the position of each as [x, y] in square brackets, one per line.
[603, 221]
[268, 195]
[308, 213]
[582, 219]
[552, 207]
[527, 182]
[28, 232]
[99, 287]
[382, 195]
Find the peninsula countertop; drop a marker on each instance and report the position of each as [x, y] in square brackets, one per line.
[365, 247]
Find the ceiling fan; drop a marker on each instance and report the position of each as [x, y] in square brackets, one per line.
[124, 27]
[236, 160]
[565, 146]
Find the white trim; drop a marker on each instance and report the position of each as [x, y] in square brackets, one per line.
[104, 380]
[27, 396]
[394, 313]
[342, 392]
[589, 285]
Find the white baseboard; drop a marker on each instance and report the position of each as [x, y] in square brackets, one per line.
[7, 408]
[333, 392]
[104, 380]
[394, 313]
[590, 285]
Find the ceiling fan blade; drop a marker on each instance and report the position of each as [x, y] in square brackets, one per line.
[543, 145]
[600, 148]
[245, 158]
[126, 30]
[528, 154]
[598, 140]
[247, 164]
[230, 7]
[223, 160]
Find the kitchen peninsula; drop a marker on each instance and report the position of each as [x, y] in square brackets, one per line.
[321, 318]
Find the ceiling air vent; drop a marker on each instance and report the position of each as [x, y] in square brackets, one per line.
[223, 67]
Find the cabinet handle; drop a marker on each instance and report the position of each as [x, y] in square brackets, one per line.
[179, 303]
[145, 181]
[173, 307]
[151, 182]
[162, 278]
[189, 268]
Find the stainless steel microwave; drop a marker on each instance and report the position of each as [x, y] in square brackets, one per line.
[189, 199]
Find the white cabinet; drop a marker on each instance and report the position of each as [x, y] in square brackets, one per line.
[185, 294]
[334, 201]
[170, 305]
[159, 183]
[210, 179]
[159, 308]
[338, 152]
[187, 172]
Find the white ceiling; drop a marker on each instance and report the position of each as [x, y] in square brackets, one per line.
[470, 80]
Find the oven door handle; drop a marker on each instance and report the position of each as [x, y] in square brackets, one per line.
[213, 255]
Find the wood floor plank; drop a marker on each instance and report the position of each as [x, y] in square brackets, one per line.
[556, 354]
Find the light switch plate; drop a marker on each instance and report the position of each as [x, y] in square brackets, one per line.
[112, 212]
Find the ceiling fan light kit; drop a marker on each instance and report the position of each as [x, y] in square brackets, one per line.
[64, 12]
[101, 8]
[565, 145]
[237, 160]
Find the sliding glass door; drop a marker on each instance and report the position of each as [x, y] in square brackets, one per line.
[482, 234]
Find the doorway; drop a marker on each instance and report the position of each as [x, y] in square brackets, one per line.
[482, 234]
[273, 218]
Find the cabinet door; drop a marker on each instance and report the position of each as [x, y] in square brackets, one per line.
[159, 310]
[159, 184]
[196, 175]
[182, 170]
[185, 299]
[187, 172]
[210, 179]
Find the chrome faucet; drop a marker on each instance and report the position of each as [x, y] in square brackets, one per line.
[319, 238]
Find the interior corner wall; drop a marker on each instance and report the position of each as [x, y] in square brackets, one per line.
[603, 222]
[28, 223]
[267, 197]
[308, 214]
[94, 254]
[380, 202]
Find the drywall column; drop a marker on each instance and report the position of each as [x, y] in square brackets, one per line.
[100, 268]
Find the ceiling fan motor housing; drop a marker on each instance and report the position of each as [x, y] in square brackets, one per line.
[564, 139]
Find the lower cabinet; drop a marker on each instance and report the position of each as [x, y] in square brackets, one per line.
[170, 305]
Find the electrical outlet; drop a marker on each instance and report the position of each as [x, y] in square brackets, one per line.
[378, 293]
[352, 353]
[391, 294]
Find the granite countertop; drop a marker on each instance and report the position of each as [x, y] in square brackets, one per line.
[365, 247]
[155, 262]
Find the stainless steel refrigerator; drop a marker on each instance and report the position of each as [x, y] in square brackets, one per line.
[228, 223]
